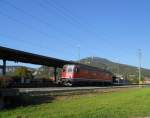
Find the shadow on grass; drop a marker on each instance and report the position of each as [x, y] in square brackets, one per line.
[26, 100]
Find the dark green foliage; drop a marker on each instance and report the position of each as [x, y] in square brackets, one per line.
[5, 82]
[23, 72]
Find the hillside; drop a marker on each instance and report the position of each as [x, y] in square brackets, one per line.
[127, 71]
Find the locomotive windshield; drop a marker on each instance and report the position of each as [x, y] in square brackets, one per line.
[68, 68]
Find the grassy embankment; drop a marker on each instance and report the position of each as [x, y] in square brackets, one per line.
[122, 104]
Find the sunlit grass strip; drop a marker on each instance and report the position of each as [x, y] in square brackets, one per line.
[130, 103]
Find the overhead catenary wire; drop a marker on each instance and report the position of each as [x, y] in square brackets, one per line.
[28, 43]
[65, 13]
[46, 7]
[69, 16]
[61, 49]
[44, 47]
[28, 26]
[39, 19]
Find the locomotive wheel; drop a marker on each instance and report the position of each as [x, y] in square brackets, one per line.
[69, 84]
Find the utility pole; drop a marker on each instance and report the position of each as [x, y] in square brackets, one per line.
[118, 67]
[91, 59]
[118, 70]
[140, 58]
[78, 46]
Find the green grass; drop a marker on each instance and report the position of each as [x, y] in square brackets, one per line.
[122, 104]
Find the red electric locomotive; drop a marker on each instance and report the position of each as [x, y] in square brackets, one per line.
[72, 74]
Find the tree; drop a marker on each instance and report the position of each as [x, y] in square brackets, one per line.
[23, 73]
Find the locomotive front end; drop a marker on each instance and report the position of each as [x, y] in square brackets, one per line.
[67, 75]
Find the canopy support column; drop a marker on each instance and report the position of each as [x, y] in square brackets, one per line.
[4, 67]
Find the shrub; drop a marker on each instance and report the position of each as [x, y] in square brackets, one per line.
[5, 82]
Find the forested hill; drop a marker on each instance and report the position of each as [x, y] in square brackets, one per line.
[117, 68]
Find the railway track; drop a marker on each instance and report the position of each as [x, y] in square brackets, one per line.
[62, 90]
[53, 90]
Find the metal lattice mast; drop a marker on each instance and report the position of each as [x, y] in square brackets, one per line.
[140, 58]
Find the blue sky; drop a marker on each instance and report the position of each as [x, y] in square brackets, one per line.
[112, 29]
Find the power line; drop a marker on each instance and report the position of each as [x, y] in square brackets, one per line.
[39, 46]
[25, 24]
[33, 16]
[68, 15]
[45, 6]
[66, 12]
[24, 42]
[78, 46]
[31, 27]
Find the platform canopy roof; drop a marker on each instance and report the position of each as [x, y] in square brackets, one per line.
[26, 57]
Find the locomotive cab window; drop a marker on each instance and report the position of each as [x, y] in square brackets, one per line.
[70, 69]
